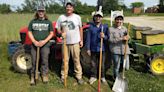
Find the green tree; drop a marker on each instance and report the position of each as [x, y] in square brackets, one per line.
[137, 4]
[63, 2]
[109, 5]
[31, 5]
[83, 8]
[5, 8]
[19, 10]
[55, 8]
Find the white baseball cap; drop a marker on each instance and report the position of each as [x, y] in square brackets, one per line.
[119, 15]
[97, 13]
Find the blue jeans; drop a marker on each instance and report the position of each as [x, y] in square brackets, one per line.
[117, 62]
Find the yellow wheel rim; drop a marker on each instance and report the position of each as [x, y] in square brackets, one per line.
[157, 65]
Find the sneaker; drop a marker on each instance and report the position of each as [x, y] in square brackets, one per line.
[32, 82]
[62, 80]
[103, 80]
[80, 81]
[92, 80]
[45, 79]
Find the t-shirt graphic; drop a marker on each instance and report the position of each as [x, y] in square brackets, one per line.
[70, 24]
[40, 26]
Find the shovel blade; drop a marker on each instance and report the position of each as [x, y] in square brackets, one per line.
[120, 85]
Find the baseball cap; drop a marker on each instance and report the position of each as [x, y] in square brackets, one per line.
[119, 16]
[98, 13]
[41, 8]
[70, 3]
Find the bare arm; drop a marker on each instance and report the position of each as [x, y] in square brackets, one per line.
[81, 37]
[35, 42]
[81, 34]
[31, 36]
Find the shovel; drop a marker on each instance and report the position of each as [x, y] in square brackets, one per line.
[121, 84]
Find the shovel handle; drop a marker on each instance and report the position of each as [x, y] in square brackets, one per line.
[125, 55]
[64, 47]
[37, 62]
[100, 62]
[65, 28]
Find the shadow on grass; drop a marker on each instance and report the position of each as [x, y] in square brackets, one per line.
[111, 80]
[139, 66]
[56, 64]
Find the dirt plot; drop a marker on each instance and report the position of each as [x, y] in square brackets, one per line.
[152, 21]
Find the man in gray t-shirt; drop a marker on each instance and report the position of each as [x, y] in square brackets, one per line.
[70, 26]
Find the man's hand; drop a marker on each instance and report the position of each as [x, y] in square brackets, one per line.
[36, 43]
[102, 35]
[89, 52]
[42, 43]
[64, 35]
[81, 44]
[127, 37]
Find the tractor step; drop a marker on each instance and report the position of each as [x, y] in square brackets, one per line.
[135, 57]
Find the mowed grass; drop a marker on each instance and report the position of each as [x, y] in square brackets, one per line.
[12, 81]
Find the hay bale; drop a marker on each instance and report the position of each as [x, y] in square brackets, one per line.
[153, 37]
[138, 30]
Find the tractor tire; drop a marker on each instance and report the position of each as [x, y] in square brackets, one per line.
[21, 59]
[157, 65]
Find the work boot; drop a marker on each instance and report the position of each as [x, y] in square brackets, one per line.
[32, 82]
[92, 80]
[80, 81]
[62, 80]
[45, 79]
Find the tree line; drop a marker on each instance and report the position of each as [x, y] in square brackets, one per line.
[57, 6]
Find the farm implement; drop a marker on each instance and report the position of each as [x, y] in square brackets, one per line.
[150, 44]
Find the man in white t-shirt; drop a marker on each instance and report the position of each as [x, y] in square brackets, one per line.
[70, 26]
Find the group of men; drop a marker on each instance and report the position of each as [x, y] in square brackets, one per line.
[70, 27]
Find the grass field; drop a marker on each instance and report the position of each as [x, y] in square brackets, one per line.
[11, 81]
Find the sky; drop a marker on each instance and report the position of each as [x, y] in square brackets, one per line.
[147, 3]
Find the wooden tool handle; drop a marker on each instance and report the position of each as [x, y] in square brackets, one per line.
[37, 62]
[100, 62]
[125, 55]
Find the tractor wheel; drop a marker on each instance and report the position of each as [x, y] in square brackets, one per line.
[22, 60]
[157, 65]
